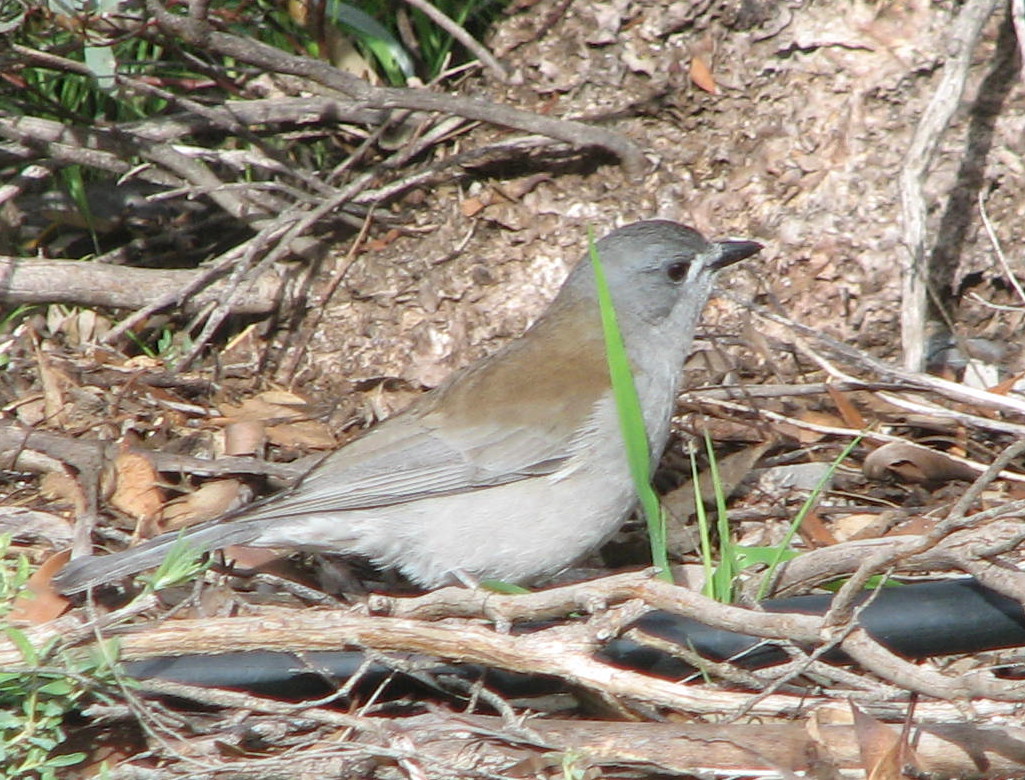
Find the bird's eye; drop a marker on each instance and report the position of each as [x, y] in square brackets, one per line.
[677, 271]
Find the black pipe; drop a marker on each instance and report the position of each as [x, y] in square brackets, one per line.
[915, 621]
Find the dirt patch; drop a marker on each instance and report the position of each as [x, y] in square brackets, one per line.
[801, 149]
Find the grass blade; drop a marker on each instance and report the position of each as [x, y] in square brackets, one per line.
[631, 418]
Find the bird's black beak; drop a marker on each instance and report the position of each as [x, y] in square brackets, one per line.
[731, 252]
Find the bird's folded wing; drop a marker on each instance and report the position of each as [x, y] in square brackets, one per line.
[408, 460]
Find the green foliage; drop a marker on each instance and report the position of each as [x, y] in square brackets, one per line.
[473, 15]
[34, 701]
[13, 576]
[74, 182]
[784, 546]
[631, 418]
[183, 563]
[500, 586]
[704, 531]
[391, 56]
[373, 25]
[70, 96]
[721, 579]
[169, 346]
[134, 72]
[84, 97]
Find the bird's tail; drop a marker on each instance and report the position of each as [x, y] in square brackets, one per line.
[94, 570]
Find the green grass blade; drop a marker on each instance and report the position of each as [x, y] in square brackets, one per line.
[386, 47]
[726, 573]
[704, 531]
[795, 524]
[631, 418]
[183, 563]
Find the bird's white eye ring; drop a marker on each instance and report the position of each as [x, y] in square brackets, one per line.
[677, 271]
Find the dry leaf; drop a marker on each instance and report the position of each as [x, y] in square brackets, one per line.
[909, 462]
[282, 398]
[244, 437]
[883, 753]
[916, 525]
[136, 488]
[701, 75]
[40, 603]
[270, 405]
[515, 189]
[1005, 387]
[824, 419]
[470, 207]
[212, 500]
[61, 486]
[54, 382]
[732, 471]
[306, 434]
[814, 531]
[381, 243]
[860, 525]
[31, 411]
[850, 414]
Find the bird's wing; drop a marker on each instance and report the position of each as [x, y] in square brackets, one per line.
[407, 459]
[450, 441]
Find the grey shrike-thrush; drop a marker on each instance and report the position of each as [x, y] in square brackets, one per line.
[515, 467]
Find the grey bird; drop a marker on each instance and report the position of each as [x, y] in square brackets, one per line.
[515, 467]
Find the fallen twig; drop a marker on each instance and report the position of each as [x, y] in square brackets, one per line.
[964, 33]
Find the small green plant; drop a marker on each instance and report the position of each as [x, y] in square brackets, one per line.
[35, 698]
[9, 318]
[169, 346]
[783, 548]
[372, 25]
[720, 579]
[183, 563]
[631, 418]
[74, 182]
[391, 55]
[13, 576]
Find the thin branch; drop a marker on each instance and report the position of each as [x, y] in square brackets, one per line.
[965, 32]
[275, 60]
[30, 280]
[457, 32]
[1012, 279]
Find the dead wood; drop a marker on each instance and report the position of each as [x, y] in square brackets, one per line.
[72, 282]
[965, 37]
